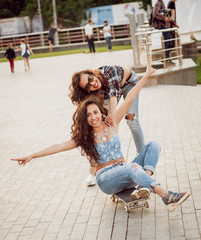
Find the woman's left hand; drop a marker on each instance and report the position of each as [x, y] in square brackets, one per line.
[108, 120]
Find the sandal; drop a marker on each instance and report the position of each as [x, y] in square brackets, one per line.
[176, 199]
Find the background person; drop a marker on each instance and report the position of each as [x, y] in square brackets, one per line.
[25, 53]
[107, 35]
[51, 35]
[164, 23]
[172, 7]
[90, 36]
[101, 144]
[10, 55]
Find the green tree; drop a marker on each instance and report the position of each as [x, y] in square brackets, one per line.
[70, 13]
[11, 8]
[30, 9]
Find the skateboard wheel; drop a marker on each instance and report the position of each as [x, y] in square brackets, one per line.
[146, 204]
[127, 209]
[113, 198]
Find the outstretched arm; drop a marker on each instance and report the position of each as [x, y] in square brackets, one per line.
[113, 104]
[122, 110]
[18, 49]
[47, 151]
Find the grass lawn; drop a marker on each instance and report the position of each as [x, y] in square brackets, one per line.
[73, 51]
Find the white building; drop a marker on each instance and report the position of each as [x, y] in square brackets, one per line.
[114, 14]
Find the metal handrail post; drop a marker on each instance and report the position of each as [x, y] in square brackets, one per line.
[136, 56]
[164, 55]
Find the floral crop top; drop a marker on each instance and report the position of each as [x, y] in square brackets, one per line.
[110, 149]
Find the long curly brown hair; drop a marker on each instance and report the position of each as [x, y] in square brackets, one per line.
[82, 132]
[77, 94]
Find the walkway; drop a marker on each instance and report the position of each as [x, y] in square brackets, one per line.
[48, 199]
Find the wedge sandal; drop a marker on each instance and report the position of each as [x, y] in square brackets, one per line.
[175, 200]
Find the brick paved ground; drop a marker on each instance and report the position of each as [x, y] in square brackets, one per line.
[48, 198]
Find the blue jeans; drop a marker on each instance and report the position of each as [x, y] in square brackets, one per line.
[109, 43]
[168, 44]
[134, 125]
[113, 179]
[91, 44]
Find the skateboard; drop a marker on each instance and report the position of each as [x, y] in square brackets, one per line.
[129, 202]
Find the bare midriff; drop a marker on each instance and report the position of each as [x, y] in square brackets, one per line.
[111, 162]
[127, 72]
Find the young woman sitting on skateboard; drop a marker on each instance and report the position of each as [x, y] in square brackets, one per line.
[101, 144]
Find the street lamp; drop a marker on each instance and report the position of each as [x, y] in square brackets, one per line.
[55, 20]
[41, 22]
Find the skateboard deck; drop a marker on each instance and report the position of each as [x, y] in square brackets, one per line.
[129, 202]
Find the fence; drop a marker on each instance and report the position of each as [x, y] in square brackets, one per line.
[146, 37]
[152, 44]
[66, 36]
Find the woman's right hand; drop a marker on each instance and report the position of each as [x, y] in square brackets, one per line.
[23, 161]
[150, 70]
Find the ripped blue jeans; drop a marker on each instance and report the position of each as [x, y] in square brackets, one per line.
[134, 124]
[115, 178]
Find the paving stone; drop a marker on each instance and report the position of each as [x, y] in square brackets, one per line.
[130, 237]
[12, 236]
[42, 225]
[91, 232]
[26, 237]
[31, 223]
[63, 235]
[3, 233]
[50, 236]
[192, 233]
[79, 227]
[82, 219]
[16, 228]
[27, 231]
[104, 233]
[38, 234]
[7, 225]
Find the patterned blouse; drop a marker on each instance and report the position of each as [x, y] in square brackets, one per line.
[113, 79]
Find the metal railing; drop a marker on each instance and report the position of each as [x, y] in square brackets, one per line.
[66, 36]
[151, 43]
